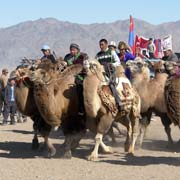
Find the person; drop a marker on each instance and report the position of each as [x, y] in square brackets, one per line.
[125, 55]
[112, 46]
[169, 55]
[151, 49]
[109, 59]
[10, 106]
[3, 83]
[46, 50]
[77, 57]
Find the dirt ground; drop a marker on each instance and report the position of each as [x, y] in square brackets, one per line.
[153, 162]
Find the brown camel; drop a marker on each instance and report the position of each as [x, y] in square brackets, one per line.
[172, 92]
[27, 106]
[100, 116]
[151, 92]
[56, 98]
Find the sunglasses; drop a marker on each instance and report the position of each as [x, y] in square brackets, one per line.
[121, 49]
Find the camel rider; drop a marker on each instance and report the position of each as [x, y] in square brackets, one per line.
[109, 59]
[77, 57]
[46, 50]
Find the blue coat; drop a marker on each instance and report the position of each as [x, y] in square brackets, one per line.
[128, 56]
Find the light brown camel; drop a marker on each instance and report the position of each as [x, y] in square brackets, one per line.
[26, 105]
[56, 98]
[151, 92]
[172, 92]
[100, 117]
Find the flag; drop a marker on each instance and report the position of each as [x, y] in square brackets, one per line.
[167, 42]
[141, 42]
[131, 35]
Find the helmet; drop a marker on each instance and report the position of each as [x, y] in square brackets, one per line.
[12, 75]
[45, 47]
[73, 45]
[5, 70]
[113, 44]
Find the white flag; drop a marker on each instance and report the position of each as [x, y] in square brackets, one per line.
[167, 43]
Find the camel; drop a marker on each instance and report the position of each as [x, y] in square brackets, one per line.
[151, 92]
[26, 105]
[100, 116]
[56, 99]
[172, 92]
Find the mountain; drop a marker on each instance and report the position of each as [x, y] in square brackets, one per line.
[26, 39]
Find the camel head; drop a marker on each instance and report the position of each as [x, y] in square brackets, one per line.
[158, 66]
[44, 72]
[93, 67]
[137, 66]
[20, 73]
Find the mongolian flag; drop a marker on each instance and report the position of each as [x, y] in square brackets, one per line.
[131, 35]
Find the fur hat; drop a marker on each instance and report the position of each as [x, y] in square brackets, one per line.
[73, 45]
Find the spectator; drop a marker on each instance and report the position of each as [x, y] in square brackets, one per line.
[10, 106]
[151, 49]
[3, 83]
[169, 55]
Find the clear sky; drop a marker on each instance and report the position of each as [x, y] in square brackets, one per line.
[86, 12]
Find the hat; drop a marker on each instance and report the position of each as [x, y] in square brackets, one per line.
[5, 70]
[113, 44]
[45, 47]
[73, 45]
[12, 75]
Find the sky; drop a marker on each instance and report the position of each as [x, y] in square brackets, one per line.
[86, 12]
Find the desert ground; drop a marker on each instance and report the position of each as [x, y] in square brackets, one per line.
[155, 161]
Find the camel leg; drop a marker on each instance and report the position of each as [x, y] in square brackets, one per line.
[115, 125]
[135, 132]
[51, 148]
[35, 142]
[94, 154]
[166, 123]
[128, 136]
[112, 135]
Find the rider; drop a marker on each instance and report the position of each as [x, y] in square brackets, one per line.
[125, 55]
[77, 57]
[46, 50]
[109, 59]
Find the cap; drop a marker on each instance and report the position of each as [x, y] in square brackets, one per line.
[45, 47]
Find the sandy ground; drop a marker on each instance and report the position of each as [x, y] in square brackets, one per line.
[153, 162]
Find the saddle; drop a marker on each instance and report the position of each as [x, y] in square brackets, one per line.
[125, 94]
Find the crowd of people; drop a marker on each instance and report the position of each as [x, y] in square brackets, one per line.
[109, 53]
[7, 100]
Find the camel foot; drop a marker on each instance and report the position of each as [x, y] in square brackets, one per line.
[51, 153]
[35, 144]
[108, 150]
[67, 155]
[92, 157]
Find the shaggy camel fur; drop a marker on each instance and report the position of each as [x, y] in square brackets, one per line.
[172, 92]
[26, 105]
[56, 98]
[151, 92]
[100, 118]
